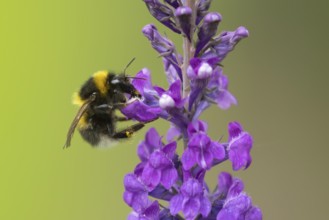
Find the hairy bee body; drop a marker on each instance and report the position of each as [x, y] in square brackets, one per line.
[99, 97]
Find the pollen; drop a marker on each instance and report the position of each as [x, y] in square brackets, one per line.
[100, 81]
[77, 99]
[129, 134]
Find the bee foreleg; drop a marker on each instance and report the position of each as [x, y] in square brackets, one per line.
[106, 108]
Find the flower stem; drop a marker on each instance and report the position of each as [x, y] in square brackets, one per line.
[188, 49]
[187, 57]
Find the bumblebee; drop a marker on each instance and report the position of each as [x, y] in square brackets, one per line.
[99, 97]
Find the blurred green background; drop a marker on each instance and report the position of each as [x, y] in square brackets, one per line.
[49, 48]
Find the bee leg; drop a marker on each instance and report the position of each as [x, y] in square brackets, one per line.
[105, 108]
[127, 133]
[121, 118]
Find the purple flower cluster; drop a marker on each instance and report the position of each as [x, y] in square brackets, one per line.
[196, 81]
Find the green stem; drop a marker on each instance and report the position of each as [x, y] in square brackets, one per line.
[188, 49]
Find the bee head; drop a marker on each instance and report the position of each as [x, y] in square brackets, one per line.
[122, 83]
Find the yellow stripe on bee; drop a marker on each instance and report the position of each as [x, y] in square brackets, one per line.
[100, 81]
[77, 99]
[83, 122]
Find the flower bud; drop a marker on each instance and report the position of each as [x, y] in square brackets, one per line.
[202, 9]
[159, 43]
[184, 18]
[162, 13]
[173, 3]
[225, 43]
[208, 29]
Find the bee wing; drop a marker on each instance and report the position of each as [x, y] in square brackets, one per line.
[77, 118]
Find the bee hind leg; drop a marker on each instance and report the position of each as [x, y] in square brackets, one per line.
[128, 132]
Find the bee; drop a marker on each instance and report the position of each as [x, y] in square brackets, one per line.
[99, 97]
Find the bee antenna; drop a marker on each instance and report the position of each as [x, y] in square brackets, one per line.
[131, 61]
[132, 77]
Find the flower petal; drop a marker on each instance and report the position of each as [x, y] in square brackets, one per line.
[234, 129]
[151, 176]
[191, 208]
[225, 214]
[172, 133]
[142, 81]
[153, 139]
[254, 214]
[239, 151]
[191, 188]
[236, 188]
[225, 181]
[141, 112]
[225, 99]
[188, 159]
[152, 212]
[132, 183]
[217, 150]
[170, 149]
[197, 126]
[205, 206]
[169, 177]
[175, 91]
[176, 204]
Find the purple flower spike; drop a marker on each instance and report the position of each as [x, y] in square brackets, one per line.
[196, 82]
[191, 200]
[150, 213]
[225, 43]
[203, 151]
[239, 146]
[184, 17]
[207, 30]
[162, 13]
